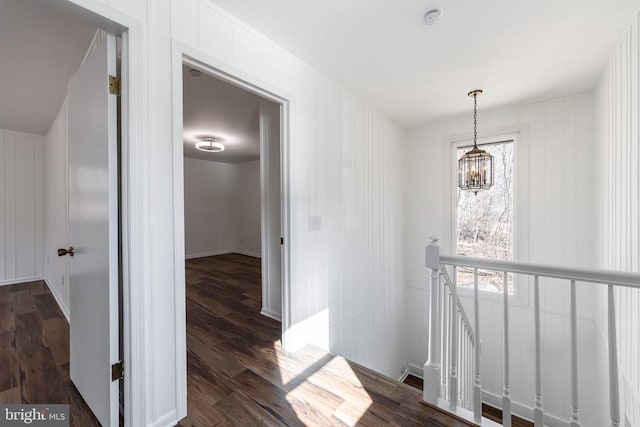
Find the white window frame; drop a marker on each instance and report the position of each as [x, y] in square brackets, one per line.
[518, 135]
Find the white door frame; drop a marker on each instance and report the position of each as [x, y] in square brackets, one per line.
[182, 53]
[134, 173]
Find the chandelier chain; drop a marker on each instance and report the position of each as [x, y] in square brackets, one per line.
[475, 120]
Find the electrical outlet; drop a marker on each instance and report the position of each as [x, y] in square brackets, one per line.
[241, 242]
[315, 223]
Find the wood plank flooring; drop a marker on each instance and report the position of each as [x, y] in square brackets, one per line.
[34, 352]
[238, 374]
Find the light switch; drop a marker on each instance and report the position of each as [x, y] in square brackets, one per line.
[315, 223]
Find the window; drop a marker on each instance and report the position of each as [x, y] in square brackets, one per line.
[484, 222]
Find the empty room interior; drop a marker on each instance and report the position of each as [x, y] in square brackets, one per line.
[248, 213]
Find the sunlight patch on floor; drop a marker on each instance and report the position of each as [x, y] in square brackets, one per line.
[307, 375]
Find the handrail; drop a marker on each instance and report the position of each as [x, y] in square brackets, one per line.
[470, 363]
[616, 278]
[463, 315]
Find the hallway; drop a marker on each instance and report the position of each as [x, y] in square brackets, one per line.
[239, 375]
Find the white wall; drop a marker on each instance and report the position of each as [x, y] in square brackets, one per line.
[21, 207]
[55, 208]
[554, 224]
[331, 133]
[209, 204]
[247, 207]
[222, 207]
[618, 137]
[345, 162]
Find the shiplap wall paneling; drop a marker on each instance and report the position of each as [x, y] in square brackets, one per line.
[555, 225]
[22, 220]
[340, 152]
[618, 107]
[56, 207]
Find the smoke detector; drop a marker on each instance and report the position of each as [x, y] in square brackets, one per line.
[432, 17]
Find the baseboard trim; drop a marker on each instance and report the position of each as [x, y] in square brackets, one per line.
[522, 411]
[223, 252]
[247, 253]
[271, 314]
[20, 281]
[167, 420]
[461, 413]
[415, 370]
[59, 300]
[494, 400]
[207, 254]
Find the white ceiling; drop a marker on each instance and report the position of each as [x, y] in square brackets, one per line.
[40, 49]
[517, 51]
[215, 108]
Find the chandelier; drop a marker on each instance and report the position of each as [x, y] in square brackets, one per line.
[475, 167]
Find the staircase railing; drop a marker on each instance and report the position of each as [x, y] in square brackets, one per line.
[452, 377]
[457, 347]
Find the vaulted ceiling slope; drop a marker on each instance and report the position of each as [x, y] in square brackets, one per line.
[40, 49]
[517, 51]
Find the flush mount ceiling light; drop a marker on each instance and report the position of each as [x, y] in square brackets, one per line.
[475, 168]
[210, 144]
[432, 17]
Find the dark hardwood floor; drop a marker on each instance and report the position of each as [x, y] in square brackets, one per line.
[238, 375]
[34, 352]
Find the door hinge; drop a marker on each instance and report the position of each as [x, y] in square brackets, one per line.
[114, 85]
[282, 240]
[117, 371]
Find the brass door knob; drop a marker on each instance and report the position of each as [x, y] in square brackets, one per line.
[63, 252]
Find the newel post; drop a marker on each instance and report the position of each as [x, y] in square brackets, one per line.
[431, 387]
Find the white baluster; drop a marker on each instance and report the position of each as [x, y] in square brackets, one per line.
[575, 412]
[469, 371]
[453, 380]
[465, 374]
[614, 399]
[538, 412]
[506, 392]
[477, 389]
[470, 359]
[447, 351]
[431, 386]
[444, 320]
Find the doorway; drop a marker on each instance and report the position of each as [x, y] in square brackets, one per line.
[259, 227]
[61, 150]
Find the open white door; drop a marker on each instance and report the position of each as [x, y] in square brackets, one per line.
[93, 230]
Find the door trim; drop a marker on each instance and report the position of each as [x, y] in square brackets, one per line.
[181, 53]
